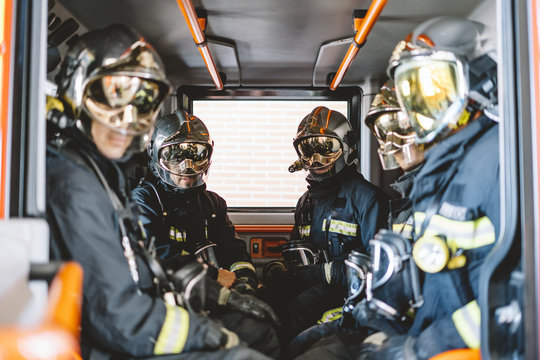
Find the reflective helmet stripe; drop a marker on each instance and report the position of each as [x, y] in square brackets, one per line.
[464, 235]
[341, 227]
[467, 322]
[173, 335]
[242, 265]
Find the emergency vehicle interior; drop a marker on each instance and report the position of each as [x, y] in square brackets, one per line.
[276, 50]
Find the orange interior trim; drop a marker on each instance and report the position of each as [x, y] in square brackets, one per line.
[372, 15]
[193, 23]
[6, 9]
[264, 228]
[458, 354]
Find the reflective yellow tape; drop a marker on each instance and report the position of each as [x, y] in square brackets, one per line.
[173, 335]
[304, 230]
[464, 235]
[242, 265]
[341, 227]
[403, 229]
[467, 322]
[331, 315]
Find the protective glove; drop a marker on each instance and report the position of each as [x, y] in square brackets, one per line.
[399, 347]
[365, 314]
[206, 334]
[243, 286]
[248, 305]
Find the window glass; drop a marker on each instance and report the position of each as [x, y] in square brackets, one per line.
[253, 149]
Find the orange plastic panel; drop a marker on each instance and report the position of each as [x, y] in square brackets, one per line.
[58, 337]
[261, 248]
[459, 354]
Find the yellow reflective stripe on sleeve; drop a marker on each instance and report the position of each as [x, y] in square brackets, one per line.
[403, 229]
[304, 230]
[242, 265]
[467, 322]
[341, 227]
[331, 315]
[464, 235]
[174, 332]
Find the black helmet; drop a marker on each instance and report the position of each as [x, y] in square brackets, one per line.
[180, 150]
[113, 76]
[443, 73]
[325, 143]
[393, 130]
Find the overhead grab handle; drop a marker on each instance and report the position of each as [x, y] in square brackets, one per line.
[372, 15]
[193, 23]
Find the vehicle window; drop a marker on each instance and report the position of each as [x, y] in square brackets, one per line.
[253, 149]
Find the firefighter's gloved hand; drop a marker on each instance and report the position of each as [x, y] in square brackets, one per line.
[311, 275]
[248, 305]
[401, 347]
[243, 286]
[207, 334]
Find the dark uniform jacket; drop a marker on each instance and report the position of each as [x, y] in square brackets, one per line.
[462, 174]
[119, 314]
[181, 218]
[340, 214]
[400, 215]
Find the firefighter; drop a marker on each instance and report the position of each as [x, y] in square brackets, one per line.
[395, 135]
[446, 83]
[339, 213]
[110, 88]
[184, 218]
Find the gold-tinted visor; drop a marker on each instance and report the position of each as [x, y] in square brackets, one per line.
[125, 103]
[318, 151]
[433, 93]
[185, 158]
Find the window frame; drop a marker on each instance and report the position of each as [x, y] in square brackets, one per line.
[353, 95]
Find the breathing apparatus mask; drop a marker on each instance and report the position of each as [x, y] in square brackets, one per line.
[436, 83]
[358, 268]
[394, 132]
[300, 253]
[188, 277]
[204, 250]
[395, 285]
[324, 143]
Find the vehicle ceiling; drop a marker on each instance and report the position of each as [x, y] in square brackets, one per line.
[277, 41]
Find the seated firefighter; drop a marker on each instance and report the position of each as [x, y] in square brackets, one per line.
[110, 88]
[447, 86]
[339, 213]
[180, 213]
[389, 301]
[181, 217]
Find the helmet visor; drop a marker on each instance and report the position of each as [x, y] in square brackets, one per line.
[433, 93]
[318, 151]
[125, 103]
[185, 158]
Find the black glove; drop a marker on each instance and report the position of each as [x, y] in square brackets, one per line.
[248, 305]
[365, 314]
[310, 275]
[243, 286]
[399, 347]
[206, 334]
[303, 341]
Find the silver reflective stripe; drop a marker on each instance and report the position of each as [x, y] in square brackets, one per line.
[242, 265]
[173, 335]
[341, 227]
[465, 235]
[467, 322]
